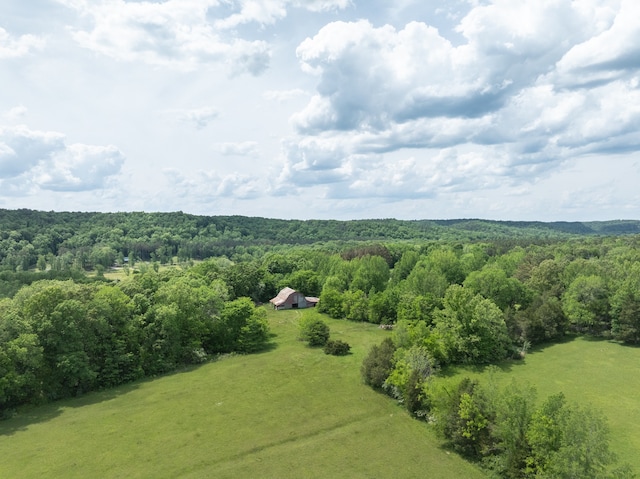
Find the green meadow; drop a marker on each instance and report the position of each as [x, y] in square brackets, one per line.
[601, 373]
[291, 411]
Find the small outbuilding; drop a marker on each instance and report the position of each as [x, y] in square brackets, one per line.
[289, 298]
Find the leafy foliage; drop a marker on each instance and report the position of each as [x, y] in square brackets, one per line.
[336, 347]
[313, 329]
[61, 339]
[514, 438]
[378, 364]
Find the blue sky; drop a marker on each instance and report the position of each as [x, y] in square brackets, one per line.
[497, 109]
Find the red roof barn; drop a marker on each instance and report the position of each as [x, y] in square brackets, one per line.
[291, 299]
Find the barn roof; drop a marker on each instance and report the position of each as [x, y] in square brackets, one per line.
[282, 296]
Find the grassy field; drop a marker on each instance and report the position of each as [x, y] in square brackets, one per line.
[288, 412]
[602, 373]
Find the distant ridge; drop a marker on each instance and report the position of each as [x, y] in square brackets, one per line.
[73, 229]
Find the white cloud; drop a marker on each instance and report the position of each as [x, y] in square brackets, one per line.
[484, 114]
[22, 149]
[174, 33]
[244, 148]
[32, 160]
[465, 106]
[16, 113]
[208, 186]
[323, 5]
[79, 168]
[283, 95]
[268, 12]
[15, 47]
[200, 117]
[611, 54]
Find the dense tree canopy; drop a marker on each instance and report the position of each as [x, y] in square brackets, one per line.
[467, 291]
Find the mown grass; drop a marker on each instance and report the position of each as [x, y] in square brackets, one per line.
[602, 373]
[291, 411]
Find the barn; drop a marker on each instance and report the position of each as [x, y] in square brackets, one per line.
[289, 298]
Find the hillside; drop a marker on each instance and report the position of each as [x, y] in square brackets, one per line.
[164, 235]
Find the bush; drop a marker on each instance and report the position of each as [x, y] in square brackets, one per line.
[378, 364]
[314, 330]
[337, 347]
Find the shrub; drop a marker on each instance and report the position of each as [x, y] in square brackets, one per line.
[378, 364]
[337, 347]
[314, 330]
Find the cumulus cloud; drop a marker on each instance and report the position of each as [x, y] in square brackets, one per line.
[209, 185]
[79, 168]
[186, 34]
[35, 160]
[14, 47]
[613, 53]
[21, 149]
[267, 12]
[174, 33]
[517, 98]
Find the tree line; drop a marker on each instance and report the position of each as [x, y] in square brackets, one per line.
[63, 338]
[65, 240]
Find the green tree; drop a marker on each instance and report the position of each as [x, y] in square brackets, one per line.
[383, 305]
[571, 441]
[403, 267]
[331, 302]
[116, 356]
[584, 446]
[514, 408]
[371, 274]
[492, 283]
[544, 434]
[378, 364]
[21, 360]
[425, 279]
[447, 262]
[412, 367]
[245, 280]
[305, 281]
[625, 307]
[312, 329]
[544, 320]
[463, 418]
[417, 307]
[355, 305]
[240, 327]
[42, 263]
[586, 303]
[471, 327]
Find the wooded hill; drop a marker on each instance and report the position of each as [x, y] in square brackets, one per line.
[27, 234]
[457, 293]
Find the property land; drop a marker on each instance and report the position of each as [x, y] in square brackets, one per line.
[601, 373]
[291, 411]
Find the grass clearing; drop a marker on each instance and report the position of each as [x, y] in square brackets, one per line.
[288, 412]
[602, 373]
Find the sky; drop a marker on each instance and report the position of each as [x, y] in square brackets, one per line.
[323, 109]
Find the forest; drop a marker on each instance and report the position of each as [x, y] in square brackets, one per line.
[189, 289]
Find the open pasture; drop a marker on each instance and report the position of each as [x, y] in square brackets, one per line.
[291, 411]
[602, 373]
